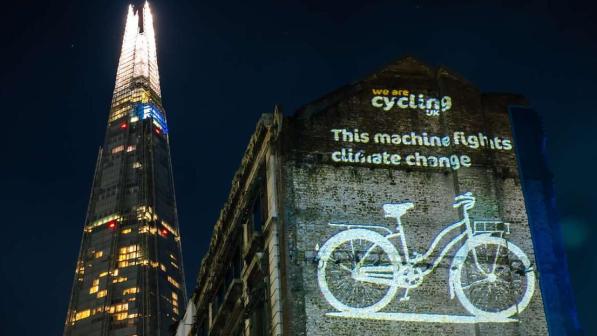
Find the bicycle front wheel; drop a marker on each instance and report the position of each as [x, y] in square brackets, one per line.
[493, 278]
[358, 271]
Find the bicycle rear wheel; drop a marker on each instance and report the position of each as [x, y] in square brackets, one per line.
[499, 284]
[358, 271]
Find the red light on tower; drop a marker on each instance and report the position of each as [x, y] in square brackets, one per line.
[112, 224]
[164, 232]
[123, 125]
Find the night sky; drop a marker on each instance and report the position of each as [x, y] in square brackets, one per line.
[222, 64]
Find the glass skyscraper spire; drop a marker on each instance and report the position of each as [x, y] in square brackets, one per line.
[129, 274]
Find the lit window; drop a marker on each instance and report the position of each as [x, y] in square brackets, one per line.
[108, 219]
[120, 307]
[128, 253]
[102, 293]
[145, 229]
[120, 316]
[81, 269]
[127, 263]
[117, 149]
[137, 165]
[173, 282]
[131, 290]
[126, 231]
[162, 267]
[175, 301]
[99, 254]
[119, 279]
[94, 287]
[130, 148]
[82, 315]
[103, 274]
[146, 213]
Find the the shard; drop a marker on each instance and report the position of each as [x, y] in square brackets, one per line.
[129, 274]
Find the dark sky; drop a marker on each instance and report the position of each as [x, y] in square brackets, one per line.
[222, 64]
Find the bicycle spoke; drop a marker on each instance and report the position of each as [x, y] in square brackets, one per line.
[475, 283]
[497, 253]
[340, 265]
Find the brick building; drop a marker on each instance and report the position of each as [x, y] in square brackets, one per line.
[393, 205]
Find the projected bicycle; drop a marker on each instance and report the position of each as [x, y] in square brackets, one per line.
[360, 270]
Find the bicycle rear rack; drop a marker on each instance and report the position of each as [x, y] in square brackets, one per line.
[491, 226]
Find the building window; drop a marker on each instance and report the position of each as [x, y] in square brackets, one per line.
[173, 282]
[117, 149]
[258, 210]
[94, 287]
[260, 318]
[120, 311]
[257, 215]
[119, 279]
[174, 299]
[131, 290]
[82, 315]
[128, 256]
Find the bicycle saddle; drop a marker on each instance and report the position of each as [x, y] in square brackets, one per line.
[396, 210]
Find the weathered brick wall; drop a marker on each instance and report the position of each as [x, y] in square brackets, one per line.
[319, 191]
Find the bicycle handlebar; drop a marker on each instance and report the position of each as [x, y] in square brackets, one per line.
[464, 199]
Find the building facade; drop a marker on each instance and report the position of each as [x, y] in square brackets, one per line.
[394, 205]
[129, 274]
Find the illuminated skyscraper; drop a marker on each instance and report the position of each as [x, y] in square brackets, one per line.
[129, 274]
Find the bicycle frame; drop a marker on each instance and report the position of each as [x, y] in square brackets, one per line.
[379, 274]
